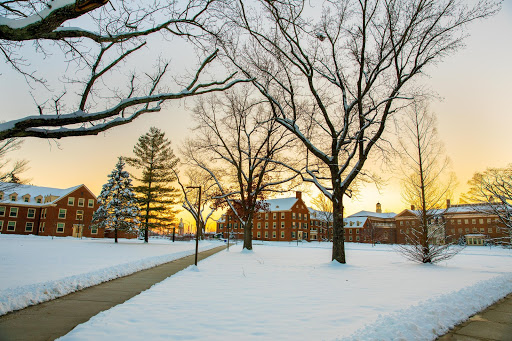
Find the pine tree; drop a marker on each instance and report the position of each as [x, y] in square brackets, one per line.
[117, 203]
[156, 196]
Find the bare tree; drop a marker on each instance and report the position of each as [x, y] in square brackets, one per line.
[425, 185]
[204, 210]
[238, 145]
[10, 170]
[335, 79]
[97, 92]
[493, 189]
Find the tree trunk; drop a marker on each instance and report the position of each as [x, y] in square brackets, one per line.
[115, 234]
[248, 236]
[338, 238]
[146, 227]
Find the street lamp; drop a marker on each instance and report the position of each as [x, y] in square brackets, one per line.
[197, 220]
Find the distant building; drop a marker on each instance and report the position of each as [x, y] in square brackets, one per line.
[376, 227]
[26, 209]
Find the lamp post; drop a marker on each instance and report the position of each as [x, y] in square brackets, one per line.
[197, 220]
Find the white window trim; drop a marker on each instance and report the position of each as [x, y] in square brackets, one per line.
[72, 200]
[13, 216]
[65, 213]
[28, 211]
[83, 202]
[63, 228]
[27, 224]
[14, 227]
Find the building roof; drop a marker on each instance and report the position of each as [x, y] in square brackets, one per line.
[52, 194]
[354, 222]
[373, 214]
[284, 204]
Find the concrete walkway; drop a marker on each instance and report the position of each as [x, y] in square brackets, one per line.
[53, 319]
[494, 323]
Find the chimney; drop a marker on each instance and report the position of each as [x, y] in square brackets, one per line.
[379, 208]
[298, 195]
[448, 204]
[413, 208]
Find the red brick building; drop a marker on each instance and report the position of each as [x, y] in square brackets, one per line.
[26, 209]
[285, 220]
[371, 227]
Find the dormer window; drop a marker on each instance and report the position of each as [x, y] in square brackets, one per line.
[14, 197]
[1, 195]
[26, 198]
[39, 199]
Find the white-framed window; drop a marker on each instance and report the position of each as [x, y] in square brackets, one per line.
[459, 221]
[1, 224]
[300, 216]
[481, 221]
[282, 225]
[258, 216]
[259, 234]
[282, 234]
[266, 234]
[357, 238]
[282, 215]
[293, 224]
[293, 215]
[79, 215]
[29, 226]
[14, 197]
[13, 213]
[467, 229]
[350, 238]
[357, 231]
[266, 216]
[482, 230]
[41, 227]
[489, 230]
[466, 221]
[305, 216]
[475, 230]
[94, 230]
[2, 211]
[71, 201]
[60, 227]
[31, 213]
[62, 213]
[11, 226]
[274, 216]
[26, 198]
[473, 221]
[259, 225]
[401, 223]
[350, 231]
[266, 224]
[39, 199]
[90, 203]
[81, 202]
[488, 220]
[293, 234]
[274, 235]
[274, 225]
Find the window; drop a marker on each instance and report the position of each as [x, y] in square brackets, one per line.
[488, 220]
[259, 225]
[459, 221]
[1, 195]
[11, 226]
[13, 212]
[282, 234]
[2, 211]
[29, 227]
[259, 234]
[293, 224]
[489, 230]
[221, 226]
[266, 216]
[305, 216]
[350, 238]
[452, 231]
[235, 226]
[39, 200]
[79, 215]
[473, 221]
[466, 221]
[274, 234]
[357, 238]
[282, 225]
[266, 224]
[60, 227]
[299, 225]
[467, 230]
[482, 230]
[62, 213]
[401, 223]
[274, 216]
[266, 234]
[26, 198]
[94, 230]
[81, 202]
[460, 230]
[90, 203]
[258, 216]
[282, 215]
[480, 221]
[71, 201]
[358, 223]
[293, 215]
[41, 227]
[475, 230]
[31, 213]
[350, 231]
[14, 197]
[43, 213]
[293, 234]
[1, 224]
[274, 225]
[305, 225]
[357, 231]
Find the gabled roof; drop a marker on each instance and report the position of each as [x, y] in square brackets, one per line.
[373, 214]
[356, 222]
[33, 191]
[284, 204]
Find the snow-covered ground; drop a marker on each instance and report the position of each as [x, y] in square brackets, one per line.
[35, 269]
[285, 292]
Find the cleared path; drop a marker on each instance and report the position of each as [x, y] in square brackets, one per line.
[493, 323]
[53, 319]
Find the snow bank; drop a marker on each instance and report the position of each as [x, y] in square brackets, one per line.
[37, 269]
[281, 291]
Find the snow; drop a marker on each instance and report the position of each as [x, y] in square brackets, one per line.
[24, 22]
[282, 204]
[372, 214]
[284, 291]
[35, 269]
[33, 192]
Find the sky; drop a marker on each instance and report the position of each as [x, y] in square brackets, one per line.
[473, 110]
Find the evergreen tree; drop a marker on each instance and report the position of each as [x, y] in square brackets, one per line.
[155, 158]
[117, 203]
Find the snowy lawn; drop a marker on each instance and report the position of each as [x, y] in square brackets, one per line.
[285, 292]
[35, 269]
